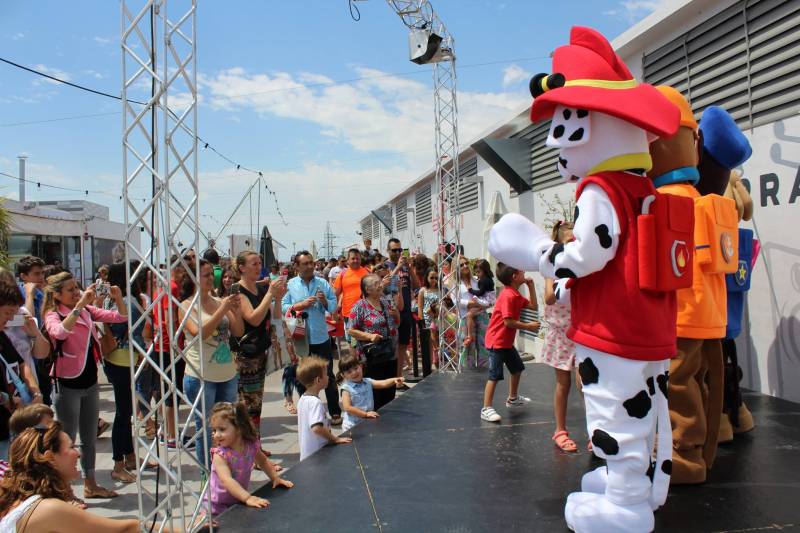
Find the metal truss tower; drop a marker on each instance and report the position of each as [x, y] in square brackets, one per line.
[159, 99]
[330, 242]
[419, 16]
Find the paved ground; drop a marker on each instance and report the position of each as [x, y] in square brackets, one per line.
[279, 435]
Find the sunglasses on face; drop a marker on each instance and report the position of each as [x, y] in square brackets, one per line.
[395, 250]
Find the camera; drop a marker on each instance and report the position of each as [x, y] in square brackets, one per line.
[235, 288]
[102, 289]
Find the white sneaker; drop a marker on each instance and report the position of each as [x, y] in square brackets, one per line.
[519, 401]
[489, 414]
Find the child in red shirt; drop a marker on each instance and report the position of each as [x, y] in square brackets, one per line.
[500, 336]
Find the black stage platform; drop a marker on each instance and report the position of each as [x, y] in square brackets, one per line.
[430, 464]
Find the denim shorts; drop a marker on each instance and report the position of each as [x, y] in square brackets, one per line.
[509, 356]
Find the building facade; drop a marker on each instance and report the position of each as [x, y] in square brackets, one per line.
[737, 54]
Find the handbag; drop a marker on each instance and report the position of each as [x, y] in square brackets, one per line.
[382, 351]
[108, 342]
[296, 323]
[22, 389]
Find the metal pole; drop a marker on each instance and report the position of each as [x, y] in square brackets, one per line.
[22, 159]
[167, 162]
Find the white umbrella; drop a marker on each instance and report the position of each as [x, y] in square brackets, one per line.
[495, 210]
[313, 250]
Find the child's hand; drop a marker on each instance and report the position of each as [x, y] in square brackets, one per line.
[279, 482]
[255, 501]
[371, 414]
[399, 381]
[343, 440]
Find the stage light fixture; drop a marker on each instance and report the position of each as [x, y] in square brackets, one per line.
[424, 46]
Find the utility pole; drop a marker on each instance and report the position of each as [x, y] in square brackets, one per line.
[330, 241]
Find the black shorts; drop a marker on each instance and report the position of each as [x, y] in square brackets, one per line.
[509, 356]
[404, 330]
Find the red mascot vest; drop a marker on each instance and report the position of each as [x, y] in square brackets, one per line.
[610, 313]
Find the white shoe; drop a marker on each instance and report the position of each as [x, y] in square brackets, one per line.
[489, 415]
[594, 513]
[519, 401]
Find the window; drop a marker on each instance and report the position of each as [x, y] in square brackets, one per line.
[366, 229]
[544, 173]
[422, 199]
[400, 214]
[468, 193]
[743, 59]
[106, 252]
[19, 246]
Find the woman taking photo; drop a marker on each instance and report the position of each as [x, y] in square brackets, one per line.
[373, 324]
[118, 371]
[257, 304]
[228, 279]
[69, 321]
[35, 494]
[220, 318]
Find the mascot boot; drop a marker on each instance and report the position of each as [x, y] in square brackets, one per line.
[602, 123]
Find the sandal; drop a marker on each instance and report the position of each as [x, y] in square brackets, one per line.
[562, 440]
[99, 492]
[102, 427]
[123, 476]
[150, 429]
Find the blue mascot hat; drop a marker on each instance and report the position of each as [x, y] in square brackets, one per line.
[722, 139]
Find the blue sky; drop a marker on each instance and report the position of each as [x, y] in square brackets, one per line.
[270, 97]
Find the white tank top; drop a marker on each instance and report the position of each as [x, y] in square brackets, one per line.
[8, 524]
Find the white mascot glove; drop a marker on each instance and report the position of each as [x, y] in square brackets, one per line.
[518, 242]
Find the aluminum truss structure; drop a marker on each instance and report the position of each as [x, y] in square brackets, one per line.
[160, 153]
[419, 15]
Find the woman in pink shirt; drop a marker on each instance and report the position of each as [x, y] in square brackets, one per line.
[69, 321]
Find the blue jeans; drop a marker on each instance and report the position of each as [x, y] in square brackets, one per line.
[224, 391]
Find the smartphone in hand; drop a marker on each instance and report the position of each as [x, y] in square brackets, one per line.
[236, 288]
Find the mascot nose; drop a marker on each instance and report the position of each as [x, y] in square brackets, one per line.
[541, 83]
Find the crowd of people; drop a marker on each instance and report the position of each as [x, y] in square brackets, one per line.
[364, 309]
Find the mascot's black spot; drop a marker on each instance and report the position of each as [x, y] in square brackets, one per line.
[558, 131]
[574, 178]
[577, 135]
[565, 273]
[558, 292]
[651, 385]
[582, 113]
[563, 162]
[639, 405]
[651, 471]
[557, 249]
[604, 441]
[663, 382]
[589, 373]
[666, 467]
[575, 215]
[603, 235]
[567, 114]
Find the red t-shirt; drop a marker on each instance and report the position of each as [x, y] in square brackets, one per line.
[163, 345]
[509, 305]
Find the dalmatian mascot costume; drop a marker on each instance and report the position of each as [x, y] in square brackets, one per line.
[602, 122]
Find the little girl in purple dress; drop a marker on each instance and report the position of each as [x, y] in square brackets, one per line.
[237, 450]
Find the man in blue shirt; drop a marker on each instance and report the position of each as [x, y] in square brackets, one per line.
[312, 295]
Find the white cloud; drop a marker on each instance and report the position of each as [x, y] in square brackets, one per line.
[514, 74]
[17, 36]
[93, 73]
[53, 72]
[634, 10]
[102, 41]
[378, 112]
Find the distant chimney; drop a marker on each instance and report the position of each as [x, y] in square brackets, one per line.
[22, 159]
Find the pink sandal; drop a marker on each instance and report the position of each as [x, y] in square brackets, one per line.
[564, 443]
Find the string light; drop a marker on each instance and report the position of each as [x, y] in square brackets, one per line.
[206, 145]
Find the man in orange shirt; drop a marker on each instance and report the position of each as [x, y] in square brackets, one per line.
[348, 285]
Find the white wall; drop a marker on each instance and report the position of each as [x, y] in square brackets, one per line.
[769, 346]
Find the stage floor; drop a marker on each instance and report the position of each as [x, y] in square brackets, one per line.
[430, 464]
